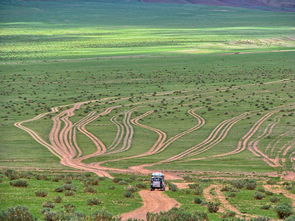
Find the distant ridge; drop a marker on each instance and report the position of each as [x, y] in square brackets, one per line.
[286, 5]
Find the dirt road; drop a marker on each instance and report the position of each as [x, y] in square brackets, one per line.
[153, 201]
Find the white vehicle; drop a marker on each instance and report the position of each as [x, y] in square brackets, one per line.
[157, 181]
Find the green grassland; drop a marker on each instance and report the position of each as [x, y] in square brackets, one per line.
[168, 58]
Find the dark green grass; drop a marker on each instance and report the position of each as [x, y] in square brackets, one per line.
[112, 200]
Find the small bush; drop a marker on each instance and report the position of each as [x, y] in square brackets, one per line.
[59, 189]
[103, 215]
[69, 193]
[176, 214]
[239, 184]
[123, 182]
[112, 188]
[131, 189]
[69, 208]
[57, 199]
[18, 213]
[231, 195]
[229, 214]
[172, 187]
[19, 183]
[290, 218]
[265, 207]
[140, 186]
[93, 202]
[41, 193]
[11, 174]
[258, 196]
[193, 186]
[128, 194]
[213, 207]
[117, 180]
[250, 185]
[93, 182]
[260, 219]
[198, 200]
[89, 190]
[274, 199]
[283, 211]
[69, 187]
[51, 216]
[198, 191]
[269, 193]
[48, 204]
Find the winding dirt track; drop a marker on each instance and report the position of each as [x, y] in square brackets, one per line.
[278, 189]
[253, 146]
[224, 203]
[215, 137]
[153, 201]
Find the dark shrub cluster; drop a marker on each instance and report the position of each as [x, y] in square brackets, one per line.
[176, 214]
[40, 193]
[19, 183]
[18, 213]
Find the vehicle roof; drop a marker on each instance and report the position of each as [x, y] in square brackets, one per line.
[157, 174]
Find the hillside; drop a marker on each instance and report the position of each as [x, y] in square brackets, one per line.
[263, 4]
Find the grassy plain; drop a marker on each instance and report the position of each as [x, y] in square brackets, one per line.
[220, 61]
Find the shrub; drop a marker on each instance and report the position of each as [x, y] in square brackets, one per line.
[41, 193]
[265, 207]
[93, 202]
[176, 214]
[268, 193]
[69, 193]
[48, 204]
[290, 218]
[140, 186]
[258, 196]
[18, 213]
[128, 194]
[89, 190]
[198, 191]
[250, 185]
[261, 219]
[229, 214]
[198, 200]
[18, 183]
[193, 186]
[117, 180]
[103, 215]
[69, 187]
[93, 182]
[69, 208]
[59, 189]
[123, 182]
[51, 216]
[283, 211]
[57, 199]
[274, 199]
[112, 188]
[11, 174]
[231, 195]
[212, 207]
[239, 184]
[131, 189]
[172, 187]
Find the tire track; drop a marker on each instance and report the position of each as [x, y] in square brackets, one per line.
[127, 141]
[253, 146]
[154, 202]
[279, 190]
[225, 205]
[243, 142]
[160, 143]
[216, 136]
